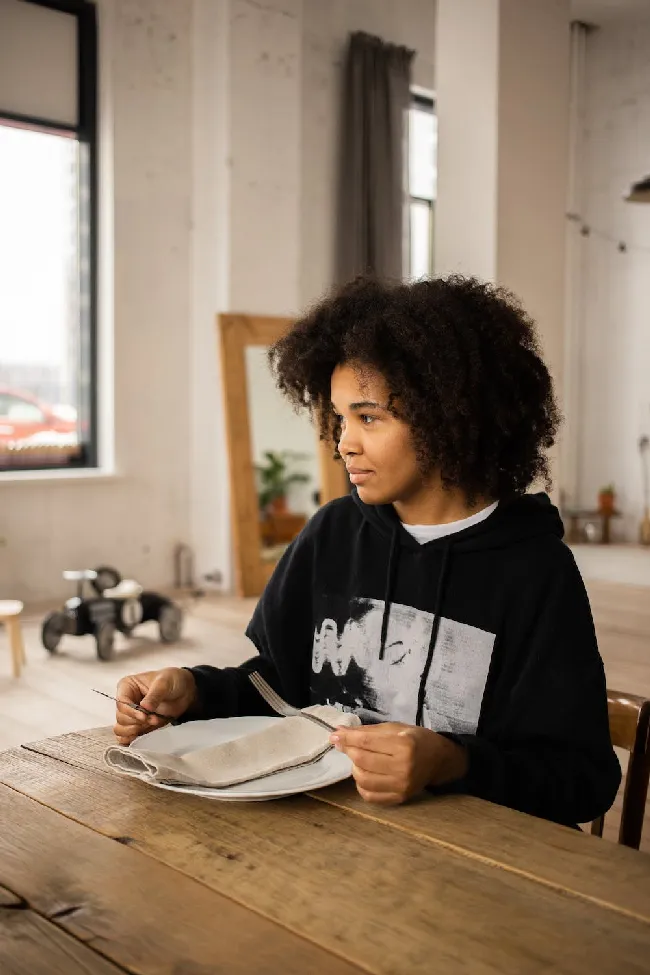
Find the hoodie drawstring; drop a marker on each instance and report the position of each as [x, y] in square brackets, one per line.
[393, 560]
[437, 610]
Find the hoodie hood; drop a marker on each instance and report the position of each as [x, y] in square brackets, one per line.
[526, 516]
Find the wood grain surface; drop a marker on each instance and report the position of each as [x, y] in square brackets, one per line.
[133, 909]
[32, 945]
[384, 897]
[559, 857]
[552, 855]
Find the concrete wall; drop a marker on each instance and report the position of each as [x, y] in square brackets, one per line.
[533, 164]
[503, 123]
[275, 131]
[218, 129]
[133, 519]
[614, 365]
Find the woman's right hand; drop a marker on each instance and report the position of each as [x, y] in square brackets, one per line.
[170, 692]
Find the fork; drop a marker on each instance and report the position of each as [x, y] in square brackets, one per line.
[136, 707]
[280, 706]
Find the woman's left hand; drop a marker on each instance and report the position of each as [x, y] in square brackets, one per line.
[394, 762]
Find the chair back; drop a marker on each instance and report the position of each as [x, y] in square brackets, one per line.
[629, 725]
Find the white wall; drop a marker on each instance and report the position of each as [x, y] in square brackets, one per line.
[275, 136]
[219, 121]
[503, 122]
[615, 326]
[533, 164]
[135, 519]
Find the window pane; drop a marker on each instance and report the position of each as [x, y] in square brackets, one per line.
[39, 298]
[423, 140]
[420, 217]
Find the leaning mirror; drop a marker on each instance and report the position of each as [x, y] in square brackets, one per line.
[279, 470]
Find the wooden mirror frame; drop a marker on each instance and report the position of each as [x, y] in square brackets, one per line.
[236, 332]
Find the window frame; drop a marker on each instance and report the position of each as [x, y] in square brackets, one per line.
[424, 103]
[85, 132]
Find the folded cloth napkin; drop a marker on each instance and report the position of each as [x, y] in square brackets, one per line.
[287, 743]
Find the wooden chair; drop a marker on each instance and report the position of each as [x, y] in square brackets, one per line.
[629, 724]
[10, 610]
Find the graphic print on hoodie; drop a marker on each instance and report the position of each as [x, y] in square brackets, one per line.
[348, 672]
[485, 635]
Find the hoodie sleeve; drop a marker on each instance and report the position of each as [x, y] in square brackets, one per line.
[280, 631]
[547, 751]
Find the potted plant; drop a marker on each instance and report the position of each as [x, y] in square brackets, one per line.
[606, 500]
[275, 478]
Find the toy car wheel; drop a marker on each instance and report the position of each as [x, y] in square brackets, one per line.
[104, 636]
[130, 614]
[54, 626]
[107, 578]
[170, 622]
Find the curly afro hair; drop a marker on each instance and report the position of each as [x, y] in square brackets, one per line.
[462, 361]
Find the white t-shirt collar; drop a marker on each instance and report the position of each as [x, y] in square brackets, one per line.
[427, 533]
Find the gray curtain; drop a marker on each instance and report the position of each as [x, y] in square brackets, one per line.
[372, 174]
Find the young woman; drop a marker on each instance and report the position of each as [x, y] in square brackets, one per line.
[437, 600]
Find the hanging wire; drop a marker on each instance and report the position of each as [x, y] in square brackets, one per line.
[623, 246]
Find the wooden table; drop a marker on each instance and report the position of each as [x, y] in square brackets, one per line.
[102, 874]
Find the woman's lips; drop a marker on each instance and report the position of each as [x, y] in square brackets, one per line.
[358, 476]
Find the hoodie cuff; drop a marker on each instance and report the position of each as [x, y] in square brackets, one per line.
[196, 711]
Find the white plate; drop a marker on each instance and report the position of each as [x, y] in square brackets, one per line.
[333, 767]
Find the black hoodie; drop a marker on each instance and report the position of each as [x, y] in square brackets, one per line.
[484, 635]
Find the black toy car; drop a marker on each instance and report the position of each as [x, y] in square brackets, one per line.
[115, 604]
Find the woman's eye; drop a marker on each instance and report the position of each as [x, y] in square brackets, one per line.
[365, 419]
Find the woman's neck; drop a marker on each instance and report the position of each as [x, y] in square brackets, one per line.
[433, 504]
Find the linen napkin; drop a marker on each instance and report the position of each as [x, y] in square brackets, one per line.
[287, 743]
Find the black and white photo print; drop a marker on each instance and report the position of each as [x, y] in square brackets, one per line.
[349, 673]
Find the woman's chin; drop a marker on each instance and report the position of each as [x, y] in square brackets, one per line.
[370, 495]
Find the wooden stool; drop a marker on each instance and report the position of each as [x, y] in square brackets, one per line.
[10, 610]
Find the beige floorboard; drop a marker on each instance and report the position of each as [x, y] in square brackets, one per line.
[54, 694]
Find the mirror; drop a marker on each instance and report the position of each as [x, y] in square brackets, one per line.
[279, 470]
[283, 446]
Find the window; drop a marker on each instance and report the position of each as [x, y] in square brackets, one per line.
[423, 139]
[47, 234]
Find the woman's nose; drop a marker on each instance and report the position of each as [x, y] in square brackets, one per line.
[347, 446]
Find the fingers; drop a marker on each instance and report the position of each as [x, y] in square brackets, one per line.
[383, 739]
[126, 717]
[131, 689]
[377, 762]
[162, 690]
[130, 730]
[126, 733]
[378, 789]
[127, 727]
[129, 723]
[373, 781]
[381, 798]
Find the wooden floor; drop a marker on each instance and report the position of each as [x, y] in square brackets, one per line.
[54, 694]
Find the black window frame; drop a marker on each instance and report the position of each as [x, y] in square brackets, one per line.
[424, 103]
[85, 132]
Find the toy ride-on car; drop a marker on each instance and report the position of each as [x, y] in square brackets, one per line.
[114, 604]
